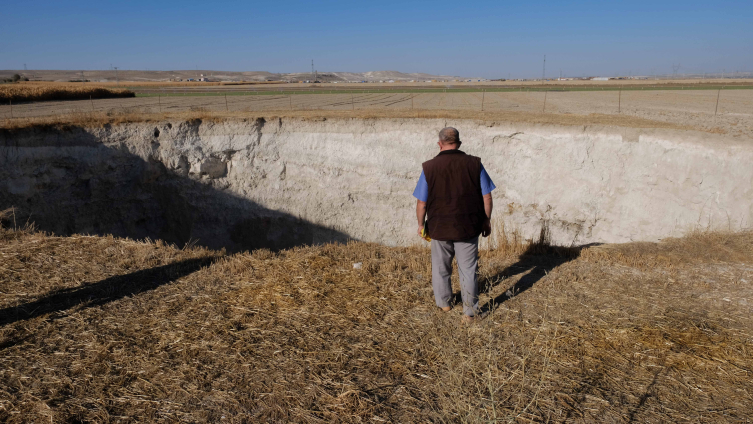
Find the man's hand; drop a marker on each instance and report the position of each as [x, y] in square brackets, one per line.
[486, 229]
[420, 230]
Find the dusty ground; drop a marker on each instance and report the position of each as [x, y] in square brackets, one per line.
[99, 329]
[691, 108]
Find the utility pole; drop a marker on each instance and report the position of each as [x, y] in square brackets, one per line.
[312, 70]
[543, 73]
[117, 81]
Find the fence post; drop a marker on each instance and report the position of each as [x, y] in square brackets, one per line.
[483, 94]
[11, 108]
[159, 101]
[544, 109]
[92, 102]
[290, 100]
[226, 108]
[715, 109]
[619, 101]
[411, 102]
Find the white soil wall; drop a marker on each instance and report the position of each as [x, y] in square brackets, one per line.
[223, 182]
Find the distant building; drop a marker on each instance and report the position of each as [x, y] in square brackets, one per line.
[600, 79]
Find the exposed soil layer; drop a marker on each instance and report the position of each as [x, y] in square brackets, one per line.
[243, 184]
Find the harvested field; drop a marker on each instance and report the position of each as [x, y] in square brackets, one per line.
[35, 92]
[100, 329]
[694, 108]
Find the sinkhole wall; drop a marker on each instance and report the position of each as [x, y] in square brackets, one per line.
[281, 182]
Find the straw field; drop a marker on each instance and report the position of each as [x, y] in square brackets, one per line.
[690, 109]
[70, 91]
[99, 329]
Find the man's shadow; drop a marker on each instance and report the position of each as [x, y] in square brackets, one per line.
[536, 261]
[104, 291]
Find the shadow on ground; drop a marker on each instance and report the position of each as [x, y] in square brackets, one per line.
[536, 262]
[102, 292]
[66, 181]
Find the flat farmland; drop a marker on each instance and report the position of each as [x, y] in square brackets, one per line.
[692, 107]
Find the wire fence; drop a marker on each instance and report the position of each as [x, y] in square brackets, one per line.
[707, 102]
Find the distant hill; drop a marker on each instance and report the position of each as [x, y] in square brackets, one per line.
[134, 75]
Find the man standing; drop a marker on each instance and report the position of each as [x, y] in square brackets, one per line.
[454, 190]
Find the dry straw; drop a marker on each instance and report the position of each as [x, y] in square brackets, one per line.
[100, 329]
[28, 93]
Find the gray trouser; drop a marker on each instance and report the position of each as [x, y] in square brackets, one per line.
[466, 252]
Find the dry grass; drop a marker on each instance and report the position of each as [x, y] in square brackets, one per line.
[166, 84]
[100, 329]
[489, 118]
[66, 91]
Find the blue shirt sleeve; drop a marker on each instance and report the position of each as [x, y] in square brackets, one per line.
[422, 189]
[487, 185]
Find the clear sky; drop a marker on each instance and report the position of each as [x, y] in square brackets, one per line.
[492, 39]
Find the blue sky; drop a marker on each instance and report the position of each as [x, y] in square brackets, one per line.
[485, 39]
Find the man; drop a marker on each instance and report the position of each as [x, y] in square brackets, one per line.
[455, 192]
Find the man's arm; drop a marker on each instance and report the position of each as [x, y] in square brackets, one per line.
[488, 206]
[420, 215]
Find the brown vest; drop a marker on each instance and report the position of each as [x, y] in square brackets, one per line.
[455, 206]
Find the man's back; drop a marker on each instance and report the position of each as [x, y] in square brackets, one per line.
[455, 205]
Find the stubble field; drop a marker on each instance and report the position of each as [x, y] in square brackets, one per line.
[693, 108]
[99, 329]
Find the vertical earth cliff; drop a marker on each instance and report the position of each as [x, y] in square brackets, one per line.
[281, 182]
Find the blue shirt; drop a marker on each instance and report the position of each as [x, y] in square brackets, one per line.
[422, 188]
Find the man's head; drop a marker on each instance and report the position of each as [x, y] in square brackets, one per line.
[449, 139]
